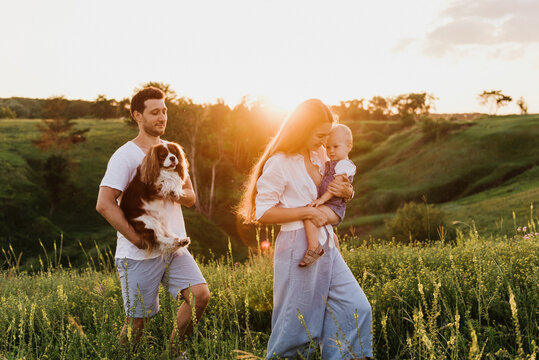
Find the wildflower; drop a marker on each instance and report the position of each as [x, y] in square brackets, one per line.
[519, 229]
[525, 228]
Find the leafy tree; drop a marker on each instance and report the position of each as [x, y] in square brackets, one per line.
[7, 113]
[523, 106]
[495, 99]
[379, 108]
[104, 108]
[170, 94]
[78, 109]
[123, 110]
[416, 222]
[56, 174]
[56, 136]
[413, 105]
[351, 110]
[24, 108]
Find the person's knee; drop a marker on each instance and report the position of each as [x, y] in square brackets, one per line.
[202, 296]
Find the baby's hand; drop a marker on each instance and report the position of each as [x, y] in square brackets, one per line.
[316, 203]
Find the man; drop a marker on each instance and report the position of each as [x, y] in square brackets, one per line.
[140, 273]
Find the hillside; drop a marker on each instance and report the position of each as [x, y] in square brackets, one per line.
[24, 217]
[482, 170]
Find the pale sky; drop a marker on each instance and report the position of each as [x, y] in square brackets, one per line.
[282, 51]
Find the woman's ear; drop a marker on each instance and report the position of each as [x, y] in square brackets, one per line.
[149, 168]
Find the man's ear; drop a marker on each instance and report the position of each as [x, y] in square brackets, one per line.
[137, 116]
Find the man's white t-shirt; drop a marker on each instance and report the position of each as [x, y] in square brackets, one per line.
[121, 169]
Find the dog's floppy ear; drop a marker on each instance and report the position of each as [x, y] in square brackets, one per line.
[149, 168]
[183, 166]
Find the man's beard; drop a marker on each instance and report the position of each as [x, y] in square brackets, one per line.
[152, 131]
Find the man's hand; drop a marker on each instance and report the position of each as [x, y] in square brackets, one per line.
[187, 197]
[109, 209]
[137, 241]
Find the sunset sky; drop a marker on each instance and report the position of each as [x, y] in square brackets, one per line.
[281, 51]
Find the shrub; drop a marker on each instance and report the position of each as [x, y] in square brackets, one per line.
[434, 129]
[416, 222]
[7, 113]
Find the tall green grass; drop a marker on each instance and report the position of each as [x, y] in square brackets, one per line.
[477, 299]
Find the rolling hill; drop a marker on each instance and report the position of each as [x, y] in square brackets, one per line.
[482, 170]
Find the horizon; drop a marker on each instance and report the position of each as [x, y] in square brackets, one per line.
[276, 51]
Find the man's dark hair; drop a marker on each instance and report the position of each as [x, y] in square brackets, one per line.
[137, 101]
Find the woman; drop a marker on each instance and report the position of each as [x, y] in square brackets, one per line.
[322, 302]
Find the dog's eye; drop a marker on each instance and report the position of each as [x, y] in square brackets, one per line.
[162, 153]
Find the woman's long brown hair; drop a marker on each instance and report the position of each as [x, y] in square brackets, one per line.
[290, 139]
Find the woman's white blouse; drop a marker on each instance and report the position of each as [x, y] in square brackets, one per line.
[286, 183]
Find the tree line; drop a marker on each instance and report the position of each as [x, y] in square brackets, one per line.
[26, 108]
[221, 141]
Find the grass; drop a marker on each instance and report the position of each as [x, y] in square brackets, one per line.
[25, 220]
[483, 171]
[477, 299]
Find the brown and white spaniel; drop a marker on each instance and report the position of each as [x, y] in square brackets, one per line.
[159, 178]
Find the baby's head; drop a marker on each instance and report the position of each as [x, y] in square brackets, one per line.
[339, 142]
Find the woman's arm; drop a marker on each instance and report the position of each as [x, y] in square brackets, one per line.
[277, 215]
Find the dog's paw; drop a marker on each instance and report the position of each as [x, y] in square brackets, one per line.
[176, 194]
[183, 242]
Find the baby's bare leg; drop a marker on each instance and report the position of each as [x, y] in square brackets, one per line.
[311, 230]
[332, 217]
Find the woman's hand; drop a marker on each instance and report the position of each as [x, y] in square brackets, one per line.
[316, 216]
[341, 188]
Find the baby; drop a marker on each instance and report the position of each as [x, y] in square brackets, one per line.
[338, 147]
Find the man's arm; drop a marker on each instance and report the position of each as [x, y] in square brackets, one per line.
[109, 209]
[189, 198]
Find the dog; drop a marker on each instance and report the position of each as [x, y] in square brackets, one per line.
[159, 179]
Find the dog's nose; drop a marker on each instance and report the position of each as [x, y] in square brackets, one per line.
[172, 158]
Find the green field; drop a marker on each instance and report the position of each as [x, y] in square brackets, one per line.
[475, 300]
[482, 171]
[24, 218]
[479, 174]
